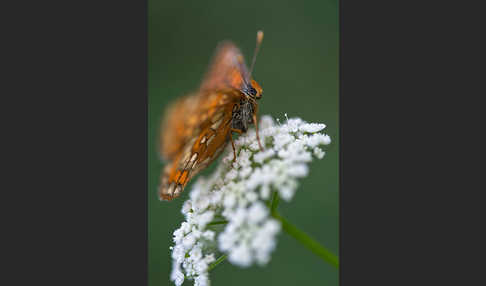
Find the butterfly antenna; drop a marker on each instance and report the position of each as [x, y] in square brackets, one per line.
[257, 48]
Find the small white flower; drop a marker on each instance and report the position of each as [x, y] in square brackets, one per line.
[262, 156]
[319, 153]
[177, 276]
[240, 255]
[257, 212]
[245, 172]
[188, 241]
[204, 219]
[186, 207]
[312, 127]
[231, 175]
[238, 192]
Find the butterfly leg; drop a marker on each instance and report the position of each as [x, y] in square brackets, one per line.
[256, 127]
[233, 143]
[234, 149]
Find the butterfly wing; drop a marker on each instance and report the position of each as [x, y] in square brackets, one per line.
[204, 145]
[227, 70]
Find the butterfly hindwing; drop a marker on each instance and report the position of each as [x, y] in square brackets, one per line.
[199, 151]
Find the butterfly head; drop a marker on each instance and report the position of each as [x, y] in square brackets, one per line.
[252, 90]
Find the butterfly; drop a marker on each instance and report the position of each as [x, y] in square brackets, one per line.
[196, 128]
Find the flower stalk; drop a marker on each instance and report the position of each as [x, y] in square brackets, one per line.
[301, 236]
[218, 261]
[307, 241]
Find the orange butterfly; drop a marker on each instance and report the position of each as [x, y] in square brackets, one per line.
[197, 127]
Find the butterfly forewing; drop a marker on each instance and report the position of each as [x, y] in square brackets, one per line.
[227, 70]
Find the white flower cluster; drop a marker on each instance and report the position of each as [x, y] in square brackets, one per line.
[228, 212]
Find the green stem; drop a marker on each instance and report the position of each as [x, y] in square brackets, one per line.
[218, 261]
[274, 203]
[307, 241]
[218, 222]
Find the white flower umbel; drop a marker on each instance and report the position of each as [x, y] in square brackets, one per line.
[228, 212]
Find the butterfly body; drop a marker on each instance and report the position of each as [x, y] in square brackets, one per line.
[243, 113]
[198, 127]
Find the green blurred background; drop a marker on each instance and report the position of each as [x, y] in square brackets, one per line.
[298, 70]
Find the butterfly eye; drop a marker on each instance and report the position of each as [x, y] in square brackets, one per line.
[252, 91]
[249, 90]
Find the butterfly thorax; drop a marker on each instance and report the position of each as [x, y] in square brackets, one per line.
[243, 114]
